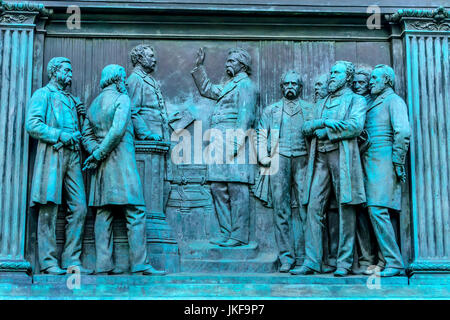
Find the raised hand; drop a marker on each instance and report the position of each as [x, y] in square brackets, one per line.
[200, 57]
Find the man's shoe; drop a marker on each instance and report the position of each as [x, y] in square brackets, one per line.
[56, 271]
[391, 272]
[303, 270]
[219, 241]
[285, 267]
[341, 272]
[150, 271]
[112, 272]
[80, 269]
[232, 243]
[328, 269]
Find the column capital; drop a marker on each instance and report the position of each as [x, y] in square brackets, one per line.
[21, 13]
[422, 20]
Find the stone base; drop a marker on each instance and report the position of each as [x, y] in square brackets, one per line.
[224, 286]
[202, 256]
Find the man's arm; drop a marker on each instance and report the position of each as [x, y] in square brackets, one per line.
[204, 85]
[117, 130]
[35, 123]
[89, 140]
[135, 92]
[402, 132]
[354, 123]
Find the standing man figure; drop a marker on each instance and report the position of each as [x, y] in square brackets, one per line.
[284, 119]
[235, 111]
[108, 137]
[365, 238]
[384, 163]
[52, 119]
[331, 221]
[334, 162]
[148, 108]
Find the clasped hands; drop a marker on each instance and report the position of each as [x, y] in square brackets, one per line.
[68, 138]
[336, 125]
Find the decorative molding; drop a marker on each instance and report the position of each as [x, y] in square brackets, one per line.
[152, 146]
[429, 266]
[25, 7]
[12, 18]
[438, 15]
[430, 26]
[15, 266]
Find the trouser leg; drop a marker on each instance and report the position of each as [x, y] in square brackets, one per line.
[240, 211]
[221, 199]
[385, 235]
[281, 199]
[77, 210]
[103, 239]
[347, 217]
[319, 193]
[333, 235]
[135, 216]
[365, 239]
[347, 226]
[299, 167]
[47, 235]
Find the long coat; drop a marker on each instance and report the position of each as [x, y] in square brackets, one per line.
[108, 131]
[269, 136]
[44, 122]
[388, 128]
[352, 109]
[235, 109]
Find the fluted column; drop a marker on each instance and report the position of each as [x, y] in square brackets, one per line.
[426, 42]
[17, 24]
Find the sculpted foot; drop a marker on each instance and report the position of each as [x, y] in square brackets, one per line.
[391, 272]
[219, 241]
[285, 267]
[232, 243]
[57, 271]
[341, 272]
[303, 270]
[150, 271]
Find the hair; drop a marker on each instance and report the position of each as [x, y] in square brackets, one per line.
[138, 52]
[389, 74]
[243, 57]
[364, 71]
[349, 69]
[299, 78]
[326, 75]
[54, 64]
[112, 74]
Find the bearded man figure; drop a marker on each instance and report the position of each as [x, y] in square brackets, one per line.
[334, 163]
[108, 136]
[53, 119]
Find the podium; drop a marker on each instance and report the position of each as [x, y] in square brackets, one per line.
[161, 243]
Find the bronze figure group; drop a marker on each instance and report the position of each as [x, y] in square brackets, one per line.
[340, 159]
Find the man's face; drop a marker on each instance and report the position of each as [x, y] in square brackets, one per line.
[321, 87]
[338, 77]
[361, 84]
[64, 74]
[377, 81]
[290, 86]
[233, 66]
[148, 60]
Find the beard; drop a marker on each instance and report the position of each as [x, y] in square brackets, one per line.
[376, 88]
[290, 94]
[230, 72]
[335, 85]
[63, 81]
[121, 87]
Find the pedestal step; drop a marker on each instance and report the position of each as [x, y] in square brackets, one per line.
[204, 250]
[264, 263]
